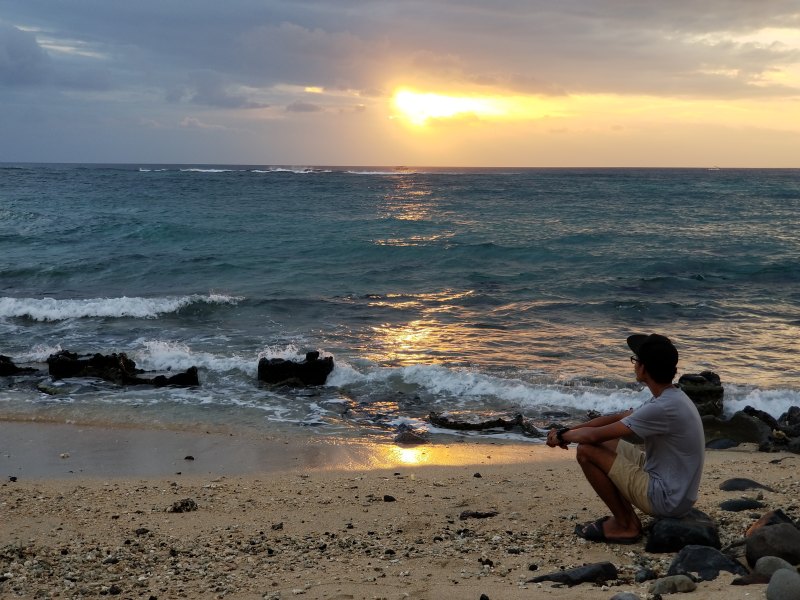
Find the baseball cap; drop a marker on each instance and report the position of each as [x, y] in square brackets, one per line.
[654, 351]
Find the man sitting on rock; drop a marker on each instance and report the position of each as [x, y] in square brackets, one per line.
[661, 481]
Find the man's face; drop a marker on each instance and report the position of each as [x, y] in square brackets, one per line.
[638, 369]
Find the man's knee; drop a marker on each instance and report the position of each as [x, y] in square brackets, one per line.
[586, 453]
[595, 454]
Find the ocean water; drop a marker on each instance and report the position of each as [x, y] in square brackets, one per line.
[474, 292]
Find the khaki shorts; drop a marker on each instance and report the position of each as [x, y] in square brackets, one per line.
[629, 476]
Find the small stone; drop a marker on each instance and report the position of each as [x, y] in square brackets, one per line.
[478, 475]
[388, 498]
[672, 584]
[738, 484]
[625, 596]
[645, 574]
[189, 457]
[182, 506]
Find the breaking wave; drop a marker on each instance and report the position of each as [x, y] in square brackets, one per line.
[52, 309]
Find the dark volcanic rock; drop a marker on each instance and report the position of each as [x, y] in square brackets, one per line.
[782, 540]
[595, 573]
[672, 535]
[790, 421]
[740, 427]
[408, 435]
[116, 368]
[738, 484]
[705, 390]
[7, 367]
[182, 506]
[475, 514]
[721, 444]
[773, 517]
[313, 371]
[517, 421]
[740, 504]
[705, 561]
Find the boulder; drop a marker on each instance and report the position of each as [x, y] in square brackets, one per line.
[767, 565]
[781, 540]
[707, 562]
[312, 371]
[784, 585]
[741, 428]
[673, 534]
[790, 421]
[705, 390]
[773, 517]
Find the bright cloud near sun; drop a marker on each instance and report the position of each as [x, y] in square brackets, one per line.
[418, 108]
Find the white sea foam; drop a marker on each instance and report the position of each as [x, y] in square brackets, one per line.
[196, 170]
[774, 402]
[381, 172]
[159, 355]
[452, 384]
[295, 170]
[52, 309]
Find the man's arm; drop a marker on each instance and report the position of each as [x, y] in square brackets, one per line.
[597, 435]
[591, 430]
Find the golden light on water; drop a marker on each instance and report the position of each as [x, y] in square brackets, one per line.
[356, 456]
[418, 108]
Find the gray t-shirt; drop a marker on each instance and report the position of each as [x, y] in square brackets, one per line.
[674, 445]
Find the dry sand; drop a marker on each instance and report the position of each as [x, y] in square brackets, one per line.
[88, 516]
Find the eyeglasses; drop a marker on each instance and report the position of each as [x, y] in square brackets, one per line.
[634, 359]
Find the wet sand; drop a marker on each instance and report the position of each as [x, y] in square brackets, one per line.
[89, 516]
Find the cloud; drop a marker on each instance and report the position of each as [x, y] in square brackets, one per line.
[22, 60]
[210, 89]
[227, 60]
[303, 107]
[195, 123]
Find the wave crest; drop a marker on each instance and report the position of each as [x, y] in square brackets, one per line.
[52, 309]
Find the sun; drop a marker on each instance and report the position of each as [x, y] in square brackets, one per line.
[419, 108]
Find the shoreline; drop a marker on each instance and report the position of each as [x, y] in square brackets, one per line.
[325, 519]
[48, 450]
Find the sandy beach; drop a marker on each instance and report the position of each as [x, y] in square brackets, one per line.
[88, 512]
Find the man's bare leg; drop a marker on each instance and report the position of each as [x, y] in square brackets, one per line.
[596, 462]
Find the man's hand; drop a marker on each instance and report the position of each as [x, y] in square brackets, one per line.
[552, 440]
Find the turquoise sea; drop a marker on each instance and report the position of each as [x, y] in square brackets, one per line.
[466, 291]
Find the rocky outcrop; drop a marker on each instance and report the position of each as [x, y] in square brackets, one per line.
[116, 368]
[312, 371]
[706, 391]
[470, 424]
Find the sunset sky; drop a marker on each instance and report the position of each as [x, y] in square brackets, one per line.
[404, 82]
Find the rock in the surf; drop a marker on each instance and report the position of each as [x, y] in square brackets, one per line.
[312, 371]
